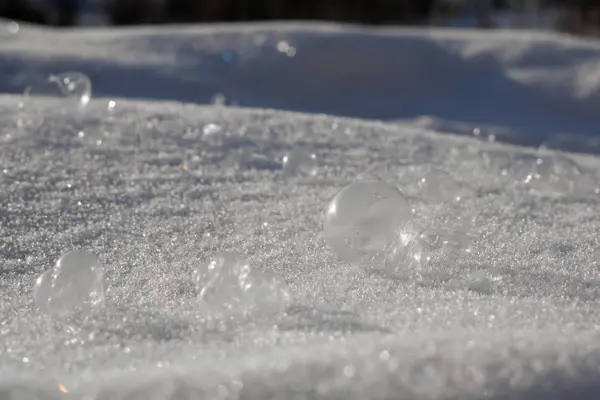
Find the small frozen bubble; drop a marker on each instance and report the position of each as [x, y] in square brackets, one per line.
[266, 293]
[404, 254]
[252, 158]
[499, 161]
[72, 86]
[553, 174]
[75, 281]
[76, 85]
[441, 248]
[439, 186]
[12, 27]
[78, 275]
[300, 162]
[227, 282]
[218, 280]
[8, 28]
[486, 281]
[364, 219]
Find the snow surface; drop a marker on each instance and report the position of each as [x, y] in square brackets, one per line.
[153, 189]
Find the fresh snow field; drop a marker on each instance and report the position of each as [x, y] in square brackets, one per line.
[165, 179]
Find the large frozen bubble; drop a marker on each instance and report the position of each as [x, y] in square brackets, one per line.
[75, 281]
[365, 219]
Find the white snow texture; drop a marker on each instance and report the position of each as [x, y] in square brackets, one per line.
[159, 184]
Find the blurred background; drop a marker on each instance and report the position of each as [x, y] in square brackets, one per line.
[581, 17]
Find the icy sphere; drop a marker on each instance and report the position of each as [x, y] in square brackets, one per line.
[219, 279]
[300, 162]
[443, 248]
[73, 86]
[405, 253]
[553, 174]
[267, 293]
[228, 283]
[75, 281]
[365, 219]
[439, 186]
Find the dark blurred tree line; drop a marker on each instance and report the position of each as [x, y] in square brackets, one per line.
[578, 16]
[130, 12]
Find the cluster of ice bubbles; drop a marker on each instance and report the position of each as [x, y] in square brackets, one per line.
[372, 224]
[74, 89]
[8, 28]
[367, 222]
[227, 285]
[553, 173]
[544, 172]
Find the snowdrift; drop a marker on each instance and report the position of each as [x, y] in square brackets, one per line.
[533, 87]
[515, 318]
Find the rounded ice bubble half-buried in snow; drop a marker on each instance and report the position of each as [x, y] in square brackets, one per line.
[300, 162]
[75, 281]
[228, 283]
[74, 87]
[364, 219]
[265, 292]
[552, 173]
[439, 186]
[218, 280]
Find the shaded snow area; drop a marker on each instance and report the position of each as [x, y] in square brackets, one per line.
[160, 181]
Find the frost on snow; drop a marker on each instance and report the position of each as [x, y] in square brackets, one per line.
[498, 292]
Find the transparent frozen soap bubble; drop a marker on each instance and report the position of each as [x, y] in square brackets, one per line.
[74, 87]
[557, 174]
[228, 283]
[300, 162]
[439, 186]
[427, 257]
[429, 254]
[365, 219]
[444, 246]
[76, 281]
[488, 281]
[401, 255]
